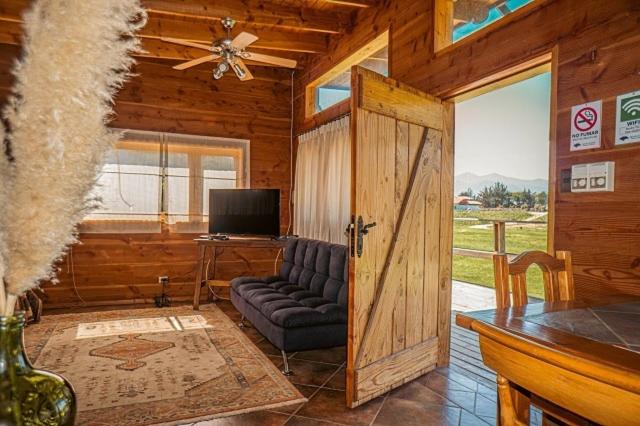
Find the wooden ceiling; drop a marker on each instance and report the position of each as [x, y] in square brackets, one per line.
[295, 29]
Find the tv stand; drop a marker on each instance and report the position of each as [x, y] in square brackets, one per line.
[208, 248]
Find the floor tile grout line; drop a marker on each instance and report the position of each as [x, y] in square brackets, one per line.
[322, 420]
[380, 408]
[315, 392]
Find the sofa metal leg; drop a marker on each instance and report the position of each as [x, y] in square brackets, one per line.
[242, 323]
[286, 371]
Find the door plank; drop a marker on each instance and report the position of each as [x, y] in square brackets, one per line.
[415, 248]
[384, 217]
[383, 299]
[383, 375]
[446, 237]
[366, 183]
[403, 166]
[430, 290]
[383, 98]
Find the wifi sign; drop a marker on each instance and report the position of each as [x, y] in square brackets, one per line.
[630, 108]
[628, 118]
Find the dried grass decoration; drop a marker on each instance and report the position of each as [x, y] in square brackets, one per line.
[76, 55]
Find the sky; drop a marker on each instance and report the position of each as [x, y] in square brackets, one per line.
[505, 131]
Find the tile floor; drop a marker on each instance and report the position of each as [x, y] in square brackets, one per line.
[462, 394]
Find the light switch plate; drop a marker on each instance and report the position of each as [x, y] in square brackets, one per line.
[580, 178]
[601, 176]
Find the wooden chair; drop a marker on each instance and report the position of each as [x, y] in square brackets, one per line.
[511, 277]
[511, 280]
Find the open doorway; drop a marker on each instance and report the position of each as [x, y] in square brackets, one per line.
[501, 182]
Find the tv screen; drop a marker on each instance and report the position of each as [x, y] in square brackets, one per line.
[244, 211]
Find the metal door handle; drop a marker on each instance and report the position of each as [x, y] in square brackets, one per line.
[362, 230]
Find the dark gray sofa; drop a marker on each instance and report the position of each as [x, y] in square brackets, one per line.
[304, 307]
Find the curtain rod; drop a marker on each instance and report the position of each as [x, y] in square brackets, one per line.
[339, 117]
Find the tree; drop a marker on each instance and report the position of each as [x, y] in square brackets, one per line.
[542, 200]
[467, 193]
[497, 195]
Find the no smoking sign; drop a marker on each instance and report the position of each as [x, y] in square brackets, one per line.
[586, 122]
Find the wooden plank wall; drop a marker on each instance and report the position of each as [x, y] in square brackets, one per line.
[596, 47]
[124, 268]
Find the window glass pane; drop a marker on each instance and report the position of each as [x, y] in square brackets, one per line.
[470, 16]
[339, 88]
[129, 185]
[178, 187]
[218, 173]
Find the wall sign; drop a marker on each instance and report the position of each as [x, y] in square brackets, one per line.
[586, 123]
[628, 118]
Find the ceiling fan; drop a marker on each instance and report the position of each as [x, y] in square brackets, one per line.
[231, 53]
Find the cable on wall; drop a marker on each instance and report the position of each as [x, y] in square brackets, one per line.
[275, 263]
[73, 275]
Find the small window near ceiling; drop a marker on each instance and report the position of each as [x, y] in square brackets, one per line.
[339, 87]
[458, 19]
[335, 86]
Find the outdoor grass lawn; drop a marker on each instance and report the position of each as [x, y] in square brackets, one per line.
[467, 234]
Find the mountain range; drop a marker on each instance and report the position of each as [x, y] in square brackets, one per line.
[477, 183]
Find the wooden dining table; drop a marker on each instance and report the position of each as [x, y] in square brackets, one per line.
[579, 360]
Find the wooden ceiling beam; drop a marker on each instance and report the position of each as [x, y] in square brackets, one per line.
[261, 12]
[207, 31]
[185, 28]
[11, 32]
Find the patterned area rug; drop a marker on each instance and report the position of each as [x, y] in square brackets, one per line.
[157, 366]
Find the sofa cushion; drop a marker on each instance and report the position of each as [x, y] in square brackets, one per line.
[317, 266]
[280, 302]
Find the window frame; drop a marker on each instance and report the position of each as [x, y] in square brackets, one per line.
[443, 25]
[165, 143]
[364, 52]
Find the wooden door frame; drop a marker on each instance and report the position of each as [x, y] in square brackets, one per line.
[502, 78]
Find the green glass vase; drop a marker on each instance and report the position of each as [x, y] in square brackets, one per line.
[28, 396]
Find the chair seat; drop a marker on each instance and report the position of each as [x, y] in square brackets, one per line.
[287, 304]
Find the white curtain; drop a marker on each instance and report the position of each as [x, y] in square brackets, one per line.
[322, 184]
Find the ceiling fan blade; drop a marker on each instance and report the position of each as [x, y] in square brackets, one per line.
[243, 39]
[274, 60]
[241, 70]
[186, 43]
[195, 62]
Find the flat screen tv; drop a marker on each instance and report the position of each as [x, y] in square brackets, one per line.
[244, 212]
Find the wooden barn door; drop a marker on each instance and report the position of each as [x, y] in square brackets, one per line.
[400, 264]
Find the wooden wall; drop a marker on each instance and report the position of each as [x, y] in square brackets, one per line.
[124, 268]
[596, 49]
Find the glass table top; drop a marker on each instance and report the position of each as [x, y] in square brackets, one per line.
[617, 324]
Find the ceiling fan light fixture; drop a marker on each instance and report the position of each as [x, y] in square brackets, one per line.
[219, 71]
[239, 71]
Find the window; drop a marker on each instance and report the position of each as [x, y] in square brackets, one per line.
[153, 177]
[459, 18]
[335, 86]
[339, 87]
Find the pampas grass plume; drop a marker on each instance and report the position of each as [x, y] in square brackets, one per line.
[76, 55]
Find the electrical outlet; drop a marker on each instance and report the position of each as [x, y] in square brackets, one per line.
[163, 280]
[580, 178]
